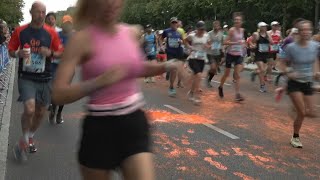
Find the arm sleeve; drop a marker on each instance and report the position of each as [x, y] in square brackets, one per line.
[56, 44]
[14, 42]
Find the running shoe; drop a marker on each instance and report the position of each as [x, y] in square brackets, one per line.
[190, 96]
[146, 80]
[196, 101]
[20, 151]
[221, 92]
[263, 89]
[172, 92]
[295, 142]
[152, 80]
[59, 118]
[51, 117]
[239, 97]
[32, 147]
[279, 94]
[180, 85]
[253, 76]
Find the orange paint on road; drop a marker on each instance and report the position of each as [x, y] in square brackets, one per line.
[167, 117]
[212, 152]
[243, 176]
[191, 152]
[216, 164]
[191, 131]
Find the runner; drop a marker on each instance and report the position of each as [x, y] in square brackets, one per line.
[215, 52]
[235, 42]
[263, 41]
[150, 48]
[303, 57]
[34, 74]
[185, 53]
[197, 59]
[51, 19]
[65, 34]
[276, 36]
[115, 133]
[174, 51]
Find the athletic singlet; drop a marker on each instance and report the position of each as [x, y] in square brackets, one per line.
[263, 45]
[236, 50]
[150, 44]
[123, 97]
[276, 38]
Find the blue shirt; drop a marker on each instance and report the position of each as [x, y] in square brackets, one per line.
[150, 44]
[173, 45]
[302, 59]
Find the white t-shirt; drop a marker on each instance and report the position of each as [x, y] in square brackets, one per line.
[199, 50]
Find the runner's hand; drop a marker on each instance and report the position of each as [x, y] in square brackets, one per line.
[23, 54]
[44, 51]
[111, 76]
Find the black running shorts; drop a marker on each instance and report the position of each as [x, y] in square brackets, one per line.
[109, 140]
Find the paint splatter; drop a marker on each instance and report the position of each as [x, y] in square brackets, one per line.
[212, 152]
[225, 153]
[238, 151]
[185, 142]
[167, 117]
[182, 168]
[216, 164]
[191, 131]
[191, 152]
[243, 176]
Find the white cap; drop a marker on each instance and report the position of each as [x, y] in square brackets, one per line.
[225, 26]
[262, 24]
[160, 31]
[275, 23]
[294, 30]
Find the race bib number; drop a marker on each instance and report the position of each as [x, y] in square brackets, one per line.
[274, 47]
[37, 64]
[263, 48]
[173, 42]
[200, 55]
[236, 48]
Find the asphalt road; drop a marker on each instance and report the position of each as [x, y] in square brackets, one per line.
[243, 141]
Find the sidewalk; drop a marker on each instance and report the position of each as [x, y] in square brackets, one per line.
[5, 114]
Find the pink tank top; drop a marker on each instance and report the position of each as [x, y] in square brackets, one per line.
[236, 50]
[122, 49]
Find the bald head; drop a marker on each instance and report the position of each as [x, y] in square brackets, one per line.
[38, 13]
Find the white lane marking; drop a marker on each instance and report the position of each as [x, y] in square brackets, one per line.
[206, 124]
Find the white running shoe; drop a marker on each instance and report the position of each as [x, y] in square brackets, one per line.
[295, 142]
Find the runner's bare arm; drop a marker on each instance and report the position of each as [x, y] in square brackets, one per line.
[229, 37]
[316, 69]
[77, 52]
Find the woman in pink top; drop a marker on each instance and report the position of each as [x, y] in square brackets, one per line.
[115, 132]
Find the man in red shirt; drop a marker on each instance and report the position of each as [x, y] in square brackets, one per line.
[34, 44]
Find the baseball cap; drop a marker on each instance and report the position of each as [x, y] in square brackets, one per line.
[174, 19]
[67, 18]
[262, 24]
[225, 26]
[160, 31]
[275, 23]
[294, 30]
[148, 26]
[200, 25]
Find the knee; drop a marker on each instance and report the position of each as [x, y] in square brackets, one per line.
[29, 109]
[301, 113]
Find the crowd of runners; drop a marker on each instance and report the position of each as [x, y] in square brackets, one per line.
[112, 55]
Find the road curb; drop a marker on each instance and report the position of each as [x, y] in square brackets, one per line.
[6, 117]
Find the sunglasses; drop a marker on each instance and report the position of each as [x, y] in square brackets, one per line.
[174, 22]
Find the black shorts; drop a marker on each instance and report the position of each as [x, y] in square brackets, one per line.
[196, 65]
[263, 57]
[151, 57]
[273, 55]
[109, 140]
[295, 86]
[235, 60]
[214, 59]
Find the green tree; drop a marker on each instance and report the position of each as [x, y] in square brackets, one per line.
[11, 11]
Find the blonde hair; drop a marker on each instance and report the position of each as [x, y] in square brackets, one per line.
[85, 13]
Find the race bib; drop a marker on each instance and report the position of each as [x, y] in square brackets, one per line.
[263, 48]
[36, 65]
[274, 47]
[200, 55]
[236, 48]
[282, 54]
[216, 46]
[173, 42]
